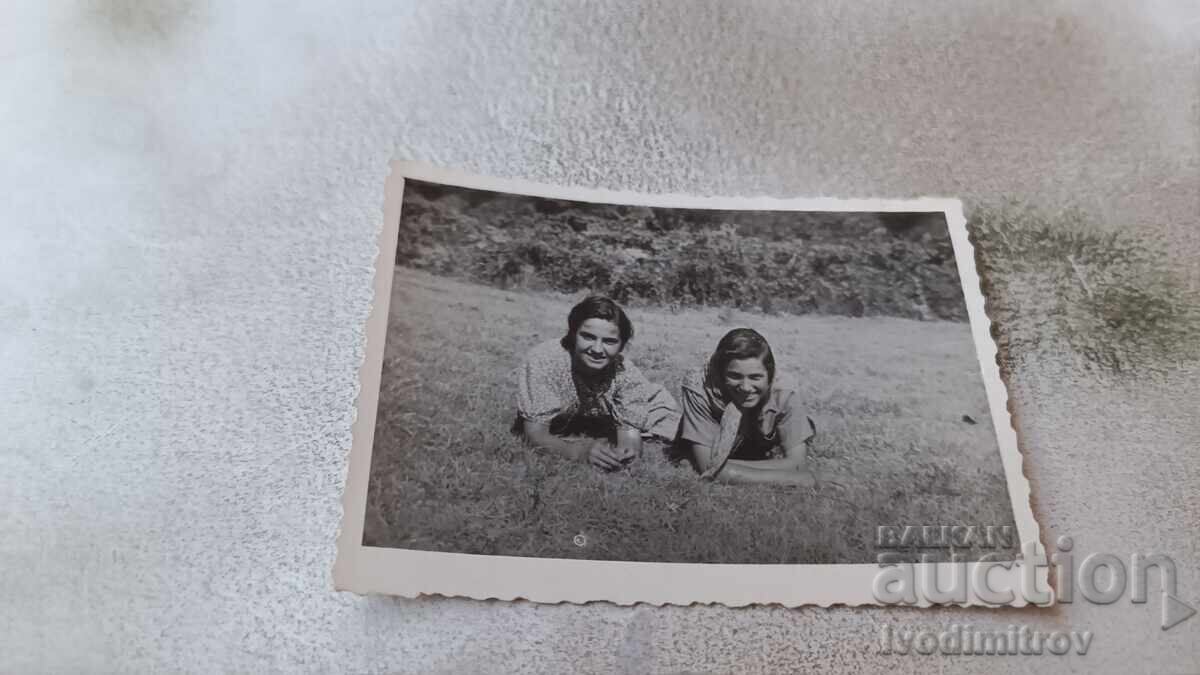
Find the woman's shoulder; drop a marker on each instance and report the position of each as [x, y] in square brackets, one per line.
[626, 370]
[783, 391]
[546, 356]
[784, 382]
[693, 379]
[787, 401]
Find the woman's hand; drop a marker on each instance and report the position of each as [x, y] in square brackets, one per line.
[629, 444]
[603, 455]
[599, 453]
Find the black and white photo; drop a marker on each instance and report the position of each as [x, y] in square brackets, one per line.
[586, 395]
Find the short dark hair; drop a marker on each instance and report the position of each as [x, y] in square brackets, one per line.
[597, 307]
[741, 343]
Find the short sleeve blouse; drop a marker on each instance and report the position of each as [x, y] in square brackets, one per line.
[547, 389]
[781, 422]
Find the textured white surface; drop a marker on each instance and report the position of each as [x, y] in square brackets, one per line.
[192, 193]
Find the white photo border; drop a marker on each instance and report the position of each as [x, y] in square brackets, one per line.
[409, 573]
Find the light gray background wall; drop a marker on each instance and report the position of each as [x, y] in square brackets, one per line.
[192, 192]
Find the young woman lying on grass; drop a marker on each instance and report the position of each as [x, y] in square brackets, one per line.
[741, 423]
[582, 398]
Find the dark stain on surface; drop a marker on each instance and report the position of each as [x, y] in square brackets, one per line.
[1059, 284]
[131, 22]
[1064, 28]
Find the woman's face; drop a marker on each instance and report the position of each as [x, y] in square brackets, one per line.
[746, 382]
[597, 343]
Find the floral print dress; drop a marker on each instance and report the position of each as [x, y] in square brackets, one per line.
[550, 392]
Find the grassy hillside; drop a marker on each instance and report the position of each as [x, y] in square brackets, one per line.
[888, 394]
[847, 264]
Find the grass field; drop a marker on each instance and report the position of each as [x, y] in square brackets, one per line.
[888, 395]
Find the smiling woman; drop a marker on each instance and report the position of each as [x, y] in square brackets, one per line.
[741, 422]
[582, 398]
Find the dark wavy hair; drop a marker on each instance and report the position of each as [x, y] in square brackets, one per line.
[597, 307]
[741, 343]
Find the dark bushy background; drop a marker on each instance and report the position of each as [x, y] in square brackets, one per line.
[852, 264]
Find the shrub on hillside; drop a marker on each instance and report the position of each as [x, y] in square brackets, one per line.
[848, 264]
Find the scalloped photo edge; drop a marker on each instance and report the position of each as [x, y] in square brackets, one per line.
[410, 573]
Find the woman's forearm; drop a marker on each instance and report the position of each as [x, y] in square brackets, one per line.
[737, 472]
[794, 459]
[775, 472]
[629, 442]
[573, 449]
[539, 436]
[780, 464]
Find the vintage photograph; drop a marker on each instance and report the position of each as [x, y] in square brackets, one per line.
[560, 378]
